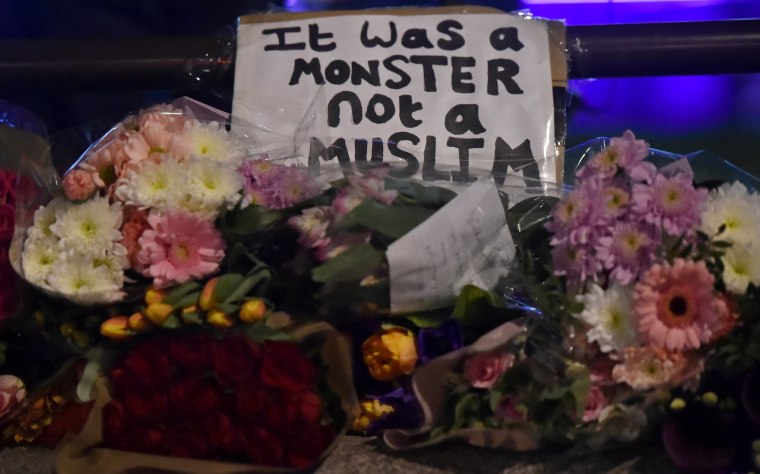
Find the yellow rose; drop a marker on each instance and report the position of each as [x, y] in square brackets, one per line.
[390, 354]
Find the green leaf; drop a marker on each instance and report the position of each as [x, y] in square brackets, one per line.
[187, 300]
[245, 286]
[464, 407]
[172, 322]
[248, 221]
[391, 220]
[260, 332]
[580, 387]
[476, 307]
[180, 292]
[351, 265]
[427, 320]
[226, 285]
[191, 318]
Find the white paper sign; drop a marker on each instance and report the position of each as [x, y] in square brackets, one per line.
[439, 96]
[466, 242]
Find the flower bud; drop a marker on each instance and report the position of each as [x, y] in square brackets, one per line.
[253, 311]
[139, 322]
[371, 411]
[678, 404]
[710, 399]
[207, 300]
[157, 313]
[390, 354]
[117, 328]
[153, 296]
[218, 319]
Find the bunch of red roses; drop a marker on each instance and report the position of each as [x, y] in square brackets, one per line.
[210, 398]
[7, 223]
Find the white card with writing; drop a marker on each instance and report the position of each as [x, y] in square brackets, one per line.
[435, 96]
[466, 242]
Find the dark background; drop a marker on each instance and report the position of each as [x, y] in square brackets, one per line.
[681, 114]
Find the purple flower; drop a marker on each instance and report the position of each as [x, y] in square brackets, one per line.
[406, 414]
[360, 187]
[577, 263]
[671, 203]
[435, 342]
[275, 186]
[312, 226]
[623, 152]
[627, 251]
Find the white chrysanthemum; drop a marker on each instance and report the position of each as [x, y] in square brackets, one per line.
[211, 186]
[89, 228]
[80, 280]
[153, 185]
[610, 315]
[741, 266]
[732, 206]
[45, 217]
[38, 258]
[115, 262]
[211, 141]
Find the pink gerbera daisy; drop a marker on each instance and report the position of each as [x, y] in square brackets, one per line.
[675, 305]
[179, 246]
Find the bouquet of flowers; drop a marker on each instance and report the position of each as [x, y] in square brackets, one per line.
[645, 286]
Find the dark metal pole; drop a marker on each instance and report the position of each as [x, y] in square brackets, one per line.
[652, 49]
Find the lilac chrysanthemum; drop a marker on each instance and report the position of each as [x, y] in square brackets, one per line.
[577, 263]
[671, 203]
[361, 187]
[628, 251]
[625, 152]
[276, 186]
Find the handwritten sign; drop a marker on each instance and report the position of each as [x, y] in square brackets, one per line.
[443, 97]
[465, 242]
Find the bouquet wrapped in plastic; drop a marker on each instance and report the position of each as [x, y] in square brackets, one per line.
[642, 286]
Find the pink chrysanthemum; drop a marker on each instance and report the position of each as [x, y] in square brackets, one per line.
[625, 152]
[179, 246]
[275, 186]
[675, 305]
[671, 203]
[648, 367]
[628, 250]
[312, 226]
[360, 187]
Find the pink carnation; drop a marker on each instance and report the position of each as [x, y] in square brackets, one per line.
[179, 246]
[484, 370]
[78, 185]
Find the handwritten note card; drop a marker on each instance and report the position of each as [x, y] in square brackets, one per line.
[465, 242]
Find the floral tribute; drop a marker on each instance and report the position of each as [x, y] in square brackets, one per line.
[8, 297]
[142, 206]
[197, 396]
[652, 284]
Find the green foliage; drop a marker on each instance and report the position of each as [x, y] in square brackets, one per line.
[351, 265]
[394, 221]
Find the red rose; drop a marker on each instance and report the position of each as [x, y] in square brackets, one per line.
[191, 352]
[235, 359]
[148, 365]
[292, 412]
[222, 433]
[8, 294]
[186, 441]
[250, 399]
[305, 449]
[193, 397]
[7, 184]
[7, 222]
[263, 446]
[286, 367]
[70, 420]
[151, 439]
[146, 404]
[113, 423]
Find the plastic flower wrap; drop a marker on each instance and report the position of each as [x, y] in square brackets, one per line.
[644, 285]
[202, 402]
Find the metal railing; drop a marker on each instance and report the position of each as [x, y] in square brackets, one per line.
[650, 49]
